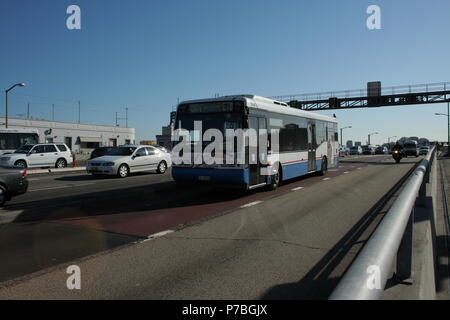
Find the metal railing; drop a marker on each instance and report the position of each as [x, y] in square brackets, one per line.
[405, 89]
[391, 242]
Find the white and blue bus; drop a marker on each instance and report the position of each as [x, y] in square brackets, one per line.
[12, 139]
[308, 142]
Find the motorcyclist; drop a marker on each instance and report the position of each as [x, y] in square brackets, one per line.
[398, 147]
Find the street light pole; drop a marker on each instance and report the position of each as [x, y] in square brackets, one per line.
[448, 124]
[448, 127]
[349, 127]
[6, 100]
[389, 139]
[371, 134]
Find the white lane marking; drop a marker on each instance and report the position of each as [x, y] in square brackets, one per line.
[333, 170]
[159, 234]
[8, 217]
[251, 204]
[326, 179]
[359, 168]
[34, 179]
[298, 188]
[346, 172]
[62, 187]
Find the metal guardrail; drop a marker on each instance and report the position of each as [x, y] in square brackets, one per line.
[391, 242]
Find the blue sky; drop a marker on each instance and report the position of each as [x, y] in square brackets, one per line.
[144, 55]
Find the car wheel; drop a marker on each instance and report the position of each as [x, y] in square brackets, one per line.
[61, 163]
[21, 164]
[162, 167]
[3, 195]
[276, 178]
[123, 171]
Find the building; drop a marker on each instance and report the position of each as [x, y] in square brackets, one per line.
[349, 144]
[165, 139]
[79, 137]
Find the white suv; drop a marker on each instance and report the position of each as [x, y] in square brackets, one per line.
[39, 155]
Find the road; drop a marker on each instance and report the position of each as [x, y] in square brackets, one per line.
[144, 237]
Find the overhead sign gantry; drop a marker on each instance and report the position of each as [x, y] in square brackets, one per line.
[373, 96]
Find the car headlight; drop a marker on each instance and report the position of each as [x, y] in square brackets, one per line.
[108, 164]
[5, 158]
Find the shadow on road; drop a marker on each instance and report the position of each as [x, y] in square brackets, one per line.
[318, 283]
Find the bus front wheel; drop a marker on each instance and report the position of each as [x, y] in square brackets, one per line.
[276, 178]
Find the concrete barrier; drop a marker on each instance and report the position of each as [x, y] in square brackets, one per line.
[54, 170]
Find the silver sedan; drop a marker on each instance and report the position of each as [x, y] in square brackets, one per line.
[123, 160]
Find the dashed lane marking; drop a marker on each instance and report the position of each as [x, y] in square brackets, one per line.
[298, 188]
[62, 187]
[251, 204]
[157, 235]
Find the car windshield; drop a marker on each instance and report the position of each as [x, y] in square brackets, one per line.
[121, 151]
[24, 149]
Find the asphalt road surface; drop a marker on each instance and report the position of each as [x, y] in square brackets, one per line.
[146, 238]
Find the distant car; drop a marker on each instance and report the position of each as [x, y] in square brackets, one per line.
[99, 152]
[39, 156]
[381, 150]
[123, 160]
[13, 182]
[367, 150]
[424, 150]
[411, 149]
[355, 150]
[343, 151]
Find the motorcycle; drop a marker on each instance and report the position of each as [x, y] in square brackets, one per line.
[397, 155]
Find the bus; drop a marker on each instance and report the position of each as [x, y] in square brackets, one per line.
[307, 142]
[12, 139]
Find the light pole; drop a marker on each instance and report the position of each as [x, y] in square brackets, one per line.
[349, 127]
[371, 134]
[389, 141]
[448, 123]
[6, 100]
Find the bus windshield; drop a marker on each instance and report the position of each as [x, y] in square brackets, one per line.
[219, 121]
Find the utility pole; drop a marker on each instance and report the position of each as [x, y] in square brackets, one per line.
[28, 111]
[116, 120]
[126, 117]
[79, 111]
[53, 112]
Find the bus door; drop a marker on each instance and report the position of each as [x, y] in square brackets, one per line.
[257, 178]
[312, 145]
